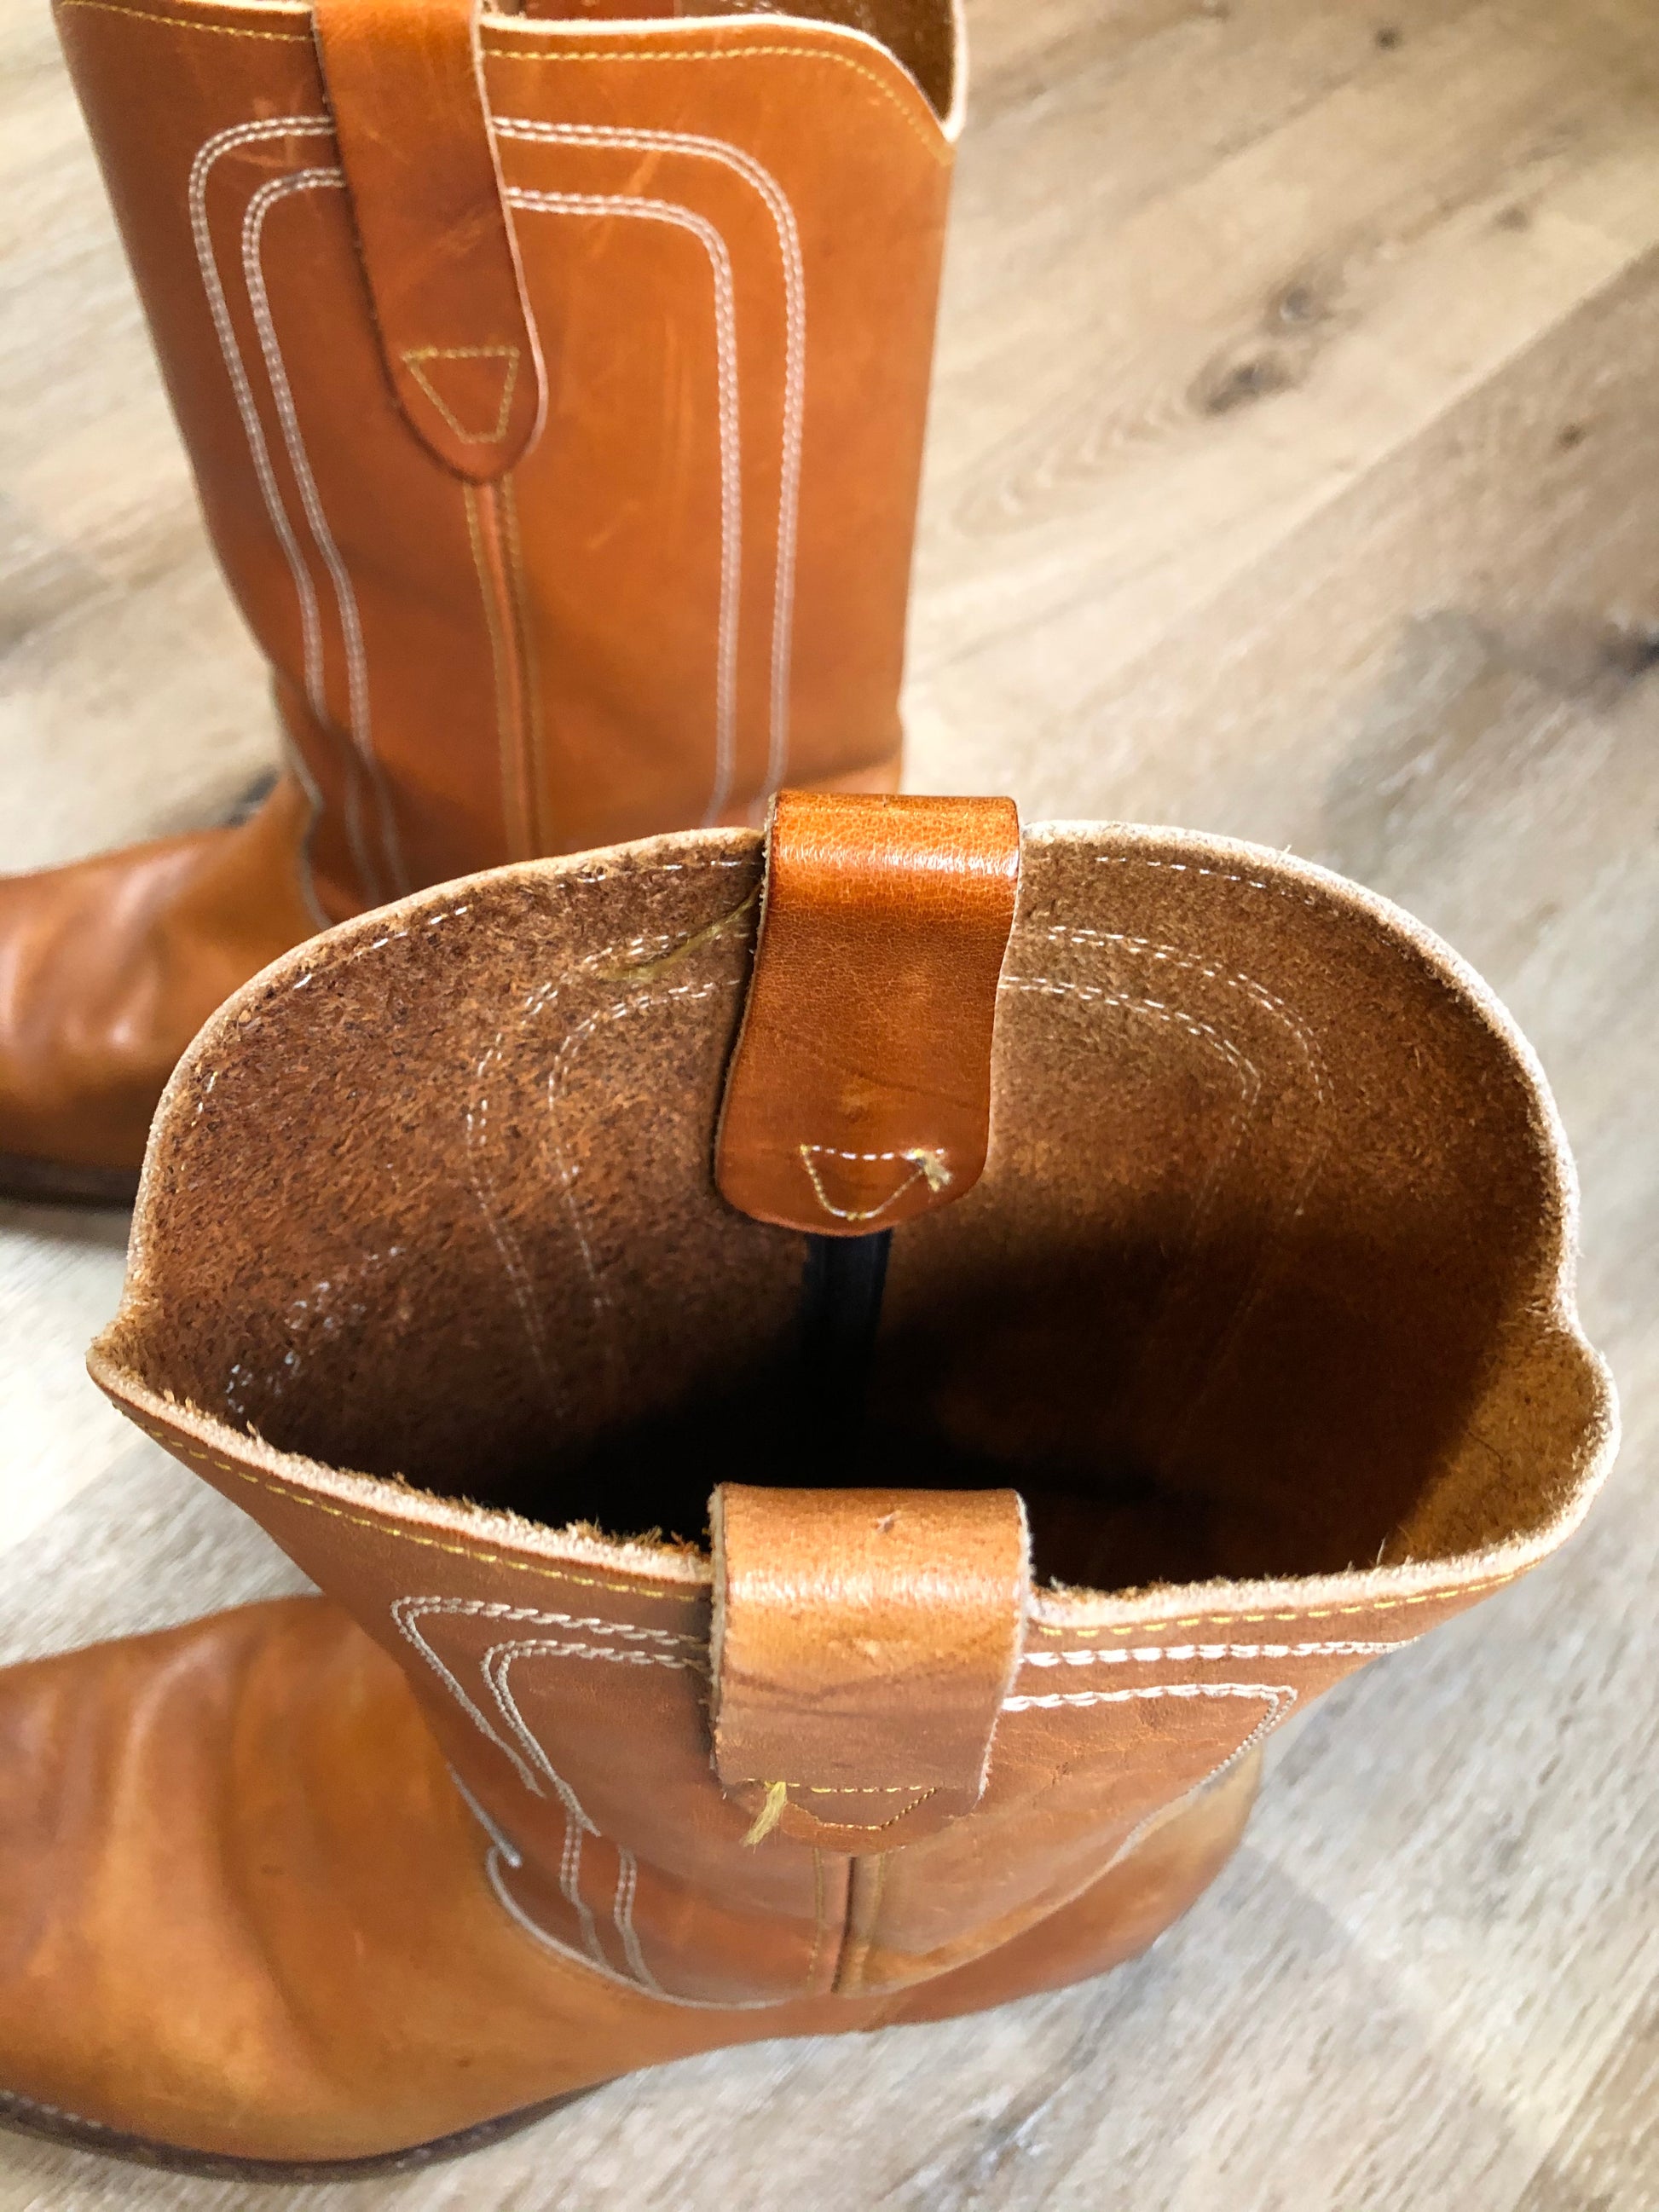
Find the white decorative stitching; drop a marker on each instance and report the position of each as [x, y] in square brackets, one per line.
[534, 1766]
[357, 952]
[484, 1190]
[583, 876]
[253, 219]
[1312, 1152]
[1269, 1001]
[554, 1650]
[593, 1957]
[567, 1172]
[1281, 1699]
[1231, 979]
[505, 1238]
[497, 1665]
[1248, 1075]
[1192, 868]
[407, 1612]
[481, 1609]
[1175, 1017]
[1155, 1655]
[536, 1002]
[223, 141]
[622, 1918]
[503, 1844]
[311, 647]
[832, 1152]
[782, 213]
[500, 1851]
[301, 768]
[1280, 1694]
[719, 262]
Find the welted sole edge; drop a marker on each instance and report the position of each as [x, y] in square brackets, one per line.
[46, 2123]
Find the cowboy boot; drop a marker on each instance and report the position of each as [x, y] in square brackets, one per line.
[1226, 1345]
[555, 391]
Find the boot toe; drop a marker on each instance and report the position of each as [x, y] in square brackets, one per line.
[108, 967]
[244, 1920]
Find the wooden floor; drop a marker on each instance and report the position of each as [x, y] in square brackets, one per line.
[1294, 473]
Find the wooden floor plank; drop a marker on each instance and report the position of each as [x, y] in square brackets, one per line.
[1180, 391]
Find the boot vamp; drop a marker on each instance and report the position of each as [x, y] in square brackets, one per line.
[244, 1910]
[109, 966]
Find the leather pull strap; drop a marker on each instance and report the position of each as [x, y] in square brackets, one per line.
[406, 84]
[859, 1093]
[863, 1642]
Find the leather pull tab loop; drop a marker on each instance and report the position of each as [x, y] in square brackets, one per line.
[404, 82]
[863, 1642]
[859, 1092]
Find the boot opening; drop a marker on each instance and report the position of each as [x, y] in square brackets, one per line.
[923, 36]
[1264, 1276]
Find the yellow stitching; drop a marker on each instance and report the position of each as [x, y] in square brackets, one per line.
[872, 1919]
[866, 1789]
[923, 1162]
[1316, 1612]
[183, 23]
[689, 1597]
[498, 661]
[409, 1536]
[412, 357]
[870, 1827]
[851, 1981]
[530, 666]
[939, 151]
[817, 1916]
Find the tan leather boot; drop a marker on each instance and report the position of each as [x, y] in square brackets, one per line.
[1228, 1345]
[564, 461]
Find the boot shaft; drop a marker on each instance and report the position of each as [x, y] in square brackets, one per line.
[1262, 1306]
[620, 551]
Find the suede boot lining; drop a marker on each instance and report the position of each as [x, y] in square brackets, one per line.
[1262, 1279]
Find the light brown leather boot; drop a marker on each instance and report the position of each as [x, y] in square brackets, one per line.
[1228, 1344]
[563, 459]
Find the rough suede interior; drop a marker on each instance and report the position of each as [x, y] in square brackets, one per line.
[1262, 1277]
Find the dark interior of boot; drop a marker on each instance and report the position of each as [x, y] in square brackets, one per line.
[920, 35]
[1253, 1284]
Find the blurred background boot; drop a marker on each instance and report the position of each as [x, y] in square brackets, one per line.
[1221, 1341]
[561, 451]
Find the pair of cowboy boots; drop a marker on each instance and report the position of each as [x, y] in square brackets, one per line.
[836, 1387]
[554, 387]
[836, 1384]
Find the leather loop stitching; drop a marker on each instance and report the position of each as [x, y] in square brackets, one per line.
[412, 357]
[185, 23]
[925, 1163]
[742, 164]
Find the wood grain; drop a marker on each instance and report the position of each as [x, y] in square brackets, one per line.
[1292, 474]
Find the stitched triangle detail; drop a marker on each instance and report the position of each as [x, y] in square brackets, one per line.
[469, 385]
[867, 1183]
